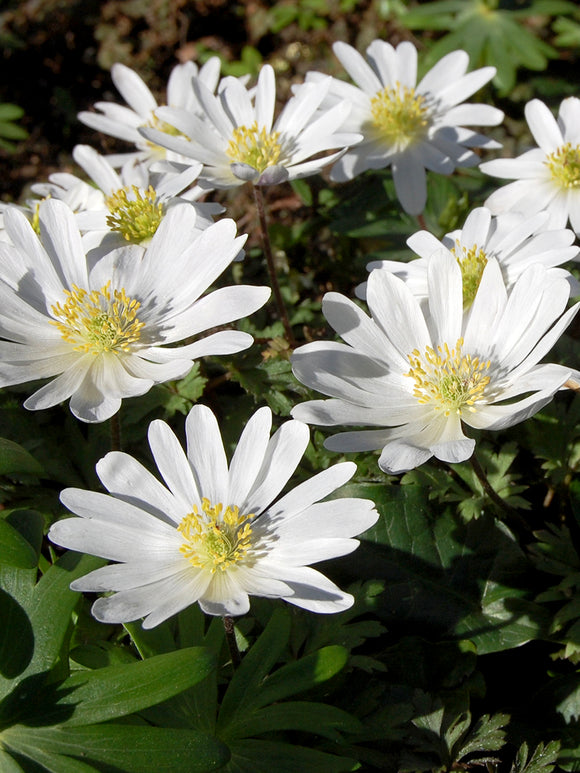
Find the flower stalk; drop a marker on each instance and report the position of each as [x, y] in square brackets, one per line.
[231, 641]
[267, 246]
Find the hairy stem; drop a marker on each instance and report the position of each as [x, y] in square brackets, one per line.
[231, 640]
[282, 312]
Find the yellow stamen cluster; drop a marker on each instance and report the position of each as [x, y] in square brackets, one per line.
[215, 538]
[447, 379]
[255, 147]
[400, 114]
[564, 165]
[137, 218]
[472, 262]
[98, 321]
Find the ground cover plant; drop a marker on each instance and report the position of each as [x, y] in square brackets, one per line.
[289, 386]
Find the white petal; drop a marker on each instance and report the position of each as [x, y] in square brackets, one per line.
[206, 454]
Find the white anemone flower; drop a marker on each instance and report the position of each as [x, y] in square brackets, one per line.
[124, 206]
[420, 377]
[110, 330]
[546, 177]
[408, 126]
[237, 139]
[513, 239]
[215, 533]
[124, 122]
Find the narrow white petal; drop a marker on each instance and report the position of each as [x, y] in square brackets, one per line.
[543, 126]
[206, 455]
[173, 465]
[249, 455]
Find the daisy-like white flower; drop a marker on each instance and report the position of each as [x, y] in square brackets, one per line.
[137, 199]
[215, 534]
[419, 377]
[546, 177]
[121, 207]
[237, 139]
[77, 194]
[124, 122]
[408, 126]
[513, 239]
[108, 331]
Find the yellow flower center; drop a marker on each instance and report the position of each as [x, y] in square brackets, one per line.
[400, 115]
[215, 538]
[255, 147]
[472, 262]
[564, 165]
[447, 379]
[98, 321]
[137, 218]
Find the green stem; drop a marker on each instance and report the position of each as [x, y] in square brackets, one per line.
[283, 314]
[231, 640]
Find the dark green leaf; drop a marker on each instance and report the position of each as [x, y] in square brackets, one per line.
[256, 756]
[15, 550]
[255, 667]
[308, 717]
[458, 579]
[13, 458]
[89, 697]
[132, 749]
[303, 674]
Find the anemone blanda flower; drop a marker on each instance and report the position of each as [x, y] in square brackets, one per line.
[136, 199]
[214, 534]
[124, 206]
[546, 177]
[513, 239]
[418, 377]
[237, 139]
[109, 330]
[124, 122]
[408, 126]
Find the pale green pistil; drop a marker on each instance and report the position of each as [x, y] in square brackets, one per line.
[400, 115]
[564, 165]
[255, 147]
[472, 263]
[448, 380]
[215, 538]
[98, 321]
[137, 218]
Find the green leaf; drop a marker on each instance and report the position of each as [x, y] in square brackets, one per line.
[14, 459]
[15, 550]
[447, 577]
[132, 749]
[89, 697]
[304, 716]
[16, 640]
[301, 675]
[254, 667]
[542, 760]
[12, 132]
[568, 33]
[10, 112]
[257, 756]
[8, 764]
